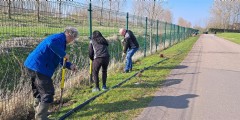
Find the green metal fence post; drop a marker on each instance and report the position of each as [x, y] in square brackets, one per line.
[189, 32]
[178, 37]
[156, 42]
[127, 21]
[184, 29]
[181, 33]
[170, 44]
[165, 35]
[145, 41]
[174, 34]
[90, 19]
[90, 35]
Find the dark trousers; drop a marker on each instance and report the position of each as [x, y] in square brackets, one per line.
[42, 86]
[97, 64]
[130, 53]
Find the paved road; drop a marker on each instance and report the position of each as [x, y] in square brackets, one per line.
[205, 86]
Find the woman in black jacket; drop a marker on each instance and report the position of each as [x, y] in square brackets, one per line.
[98, 53]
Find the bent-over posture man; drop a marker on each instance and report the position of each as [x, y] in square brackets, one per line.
[41, 64]
[130, 46]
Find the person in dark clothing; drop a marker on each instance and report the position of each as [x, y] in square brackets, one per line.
[98, 53]
[130, 46]
[41, 64]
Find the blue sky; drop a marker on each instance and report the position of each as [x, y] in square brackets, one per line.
[194, 11]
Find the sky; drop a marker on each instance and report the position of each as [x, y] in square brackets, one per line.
[195, 11]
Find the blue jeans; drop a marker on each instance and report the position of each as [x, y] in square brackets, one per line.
[130, 53]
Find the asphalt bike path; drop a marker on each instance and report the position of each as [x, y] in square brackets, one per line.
[205, 86]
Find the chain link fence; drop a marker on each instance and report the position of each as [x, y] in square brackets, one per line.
[26, 23]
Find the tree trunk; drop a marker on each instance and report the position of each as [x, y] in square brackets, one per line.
[151, 27]
[38, 10]
[60, 12]
[22, 5]
[101, 17]
[9, 9]
[117, 12]
[109, 14]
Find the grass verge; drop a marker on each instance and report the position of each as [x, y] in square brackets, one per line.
[234, 37]
[128, 100]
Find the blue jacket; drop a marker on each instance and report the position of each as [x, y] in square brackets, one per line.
[46, 57]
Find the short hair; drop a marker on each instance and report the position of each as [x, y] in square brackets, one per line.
[73, 32]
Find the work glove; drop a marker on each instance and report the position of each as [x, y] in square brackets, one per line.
[67, 57]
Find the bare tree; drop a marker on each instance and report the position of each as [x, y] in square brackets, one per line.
[159, 12]
[38, 10]
[117, 5]
[224, 14]
[104, 4]
[109, 12]
[198, 27]
[18, 5]
[236, 14]
[22, 4]
[148, 9]
[114, 6]
[184, 23]
[138, 11]
[101, 17]
[167, 16]
[137, 8]
[189, 24]
[60, 10]
[153, 16]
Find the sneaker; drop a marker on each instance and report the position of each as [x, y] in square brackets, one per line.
[104, 87]
[126, 71]
[95, 89]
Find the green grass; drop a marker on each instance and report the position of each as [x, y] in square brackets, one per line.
[128, 100]
[27, 25]
[234, 37]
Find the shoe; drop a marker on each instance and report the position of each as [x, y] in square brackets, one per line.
[95, 89]
[126, 71]
[104, 87]
[42, 111]
[36, 104]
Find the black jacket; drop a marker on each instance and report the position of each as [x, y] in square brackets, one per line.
[98, 49]
[130, 41]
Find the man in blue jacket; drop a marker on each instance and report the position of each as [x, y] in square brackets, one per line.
[41, 64]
